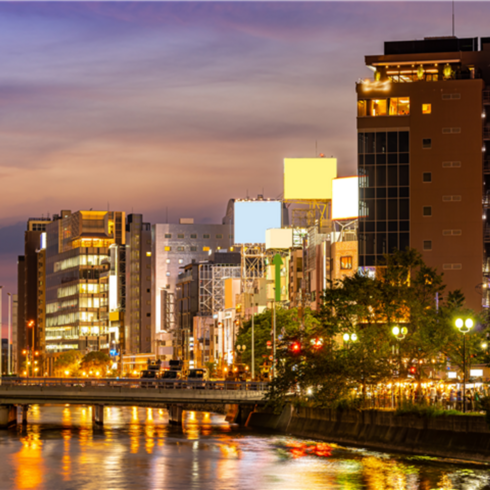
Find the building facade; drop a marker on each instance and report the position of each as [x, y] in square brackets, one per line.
[423, 146]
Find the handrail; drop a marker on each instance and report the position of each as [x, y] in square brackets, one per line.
[171, 384]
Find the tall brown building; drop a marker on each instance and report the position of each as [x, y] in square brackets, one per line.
[424, 158]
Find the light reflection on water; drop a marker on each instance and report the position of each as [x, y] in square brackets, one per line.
[138, 449]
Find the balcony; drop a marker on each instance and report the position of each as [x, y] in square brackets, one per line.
[486, 133]
[486, 167]
[486, 97]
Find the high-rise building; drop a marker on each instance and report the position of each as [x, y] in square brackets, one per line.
[138, 304]
[30, 330]
[173, 247]
[80, 261]
[423, 164]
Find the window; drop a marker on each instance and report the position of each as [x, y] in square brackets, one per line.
[180, 249]
[168, 274]
[230, 237]
[426, 143]
[219, 237]
[193, 235]
[346, 262]
[451, 164]
[427, 211]
[426, 108]
[427, 177]
[181, 235]
[148, 314]
[205, 249]
[427, 244]
[451, 198]
[148, 254]
[447, 267]
[168, 261]
[378, 107]
[400, 106]
[168, 249]
[205, 236]
[168, 235]
[193, 249]
[181, 261]
[362, 108]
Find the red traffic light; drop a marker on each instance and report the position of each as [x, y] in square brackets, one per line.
[412, 370]
[296, 347]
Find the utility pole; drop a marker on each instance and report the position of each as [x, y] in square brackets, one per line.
[9, 333]
[1, 333]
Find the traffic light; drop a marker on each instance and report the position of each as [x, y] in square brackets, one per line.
[412, 370]
[295, 347]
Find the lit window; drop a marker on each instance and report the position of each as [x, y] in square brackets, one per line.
[168, 274]
[181, 261]
[205, 249]
[346, 262]
[378, 107]
[426, 108]
[168, 261]
[361, 108]
[427, 177]
[148, 254]
[400, 106]
[427, 211]
[427, 244]
[180, 249]
[168, 249]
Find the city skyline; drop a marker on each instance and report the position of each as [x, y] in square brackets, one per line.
[183, 106]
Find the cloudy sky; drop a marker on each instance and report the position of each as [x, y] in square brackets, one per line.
[149, 106]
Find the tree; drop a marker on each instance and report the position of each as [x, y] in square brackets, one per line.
[67, 362]
[96, 361]
[287, 326]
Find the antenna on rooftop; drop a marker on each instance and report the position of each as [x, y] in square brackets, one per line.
[453, 17]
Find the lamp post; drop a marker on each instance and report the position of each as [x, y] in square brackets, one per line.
[400, 334]
[464, 326]
[9, 334]
[350, 337]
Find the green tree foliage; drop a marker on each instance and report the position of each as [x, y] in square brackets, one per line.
[67, 361]
[405, 293]
[287, 326]
[96, 361]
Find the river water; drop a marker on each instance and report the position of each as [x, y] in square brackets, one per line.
[137, 449]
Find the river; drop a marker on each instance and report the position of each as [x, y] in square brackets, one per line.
[137, 449]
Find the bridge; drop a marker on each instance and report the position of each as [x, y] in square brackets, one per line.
[158, 393]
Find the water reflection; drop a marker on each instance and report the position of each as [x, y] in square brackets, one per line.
[137, 448]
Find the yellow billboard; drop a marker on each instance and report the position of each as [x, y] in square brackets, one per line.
[309, 179]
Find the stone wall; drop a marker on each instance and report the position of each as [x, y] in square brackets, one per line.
[457, 436]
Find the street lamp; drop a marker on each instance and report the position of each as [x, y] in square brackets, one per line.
[350, 337]
[241, 349]
[400, 334]
[464, 326]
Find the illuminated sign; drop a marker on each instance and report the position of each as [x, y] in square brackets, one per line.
[309, 179]
[345, 198]
[279, 238]
[253, 218]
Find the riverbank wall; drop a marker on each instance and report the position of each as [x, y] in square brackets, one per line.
[451, 436]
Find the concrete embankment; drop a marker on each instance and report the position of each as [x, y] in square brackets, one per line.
[452, 436]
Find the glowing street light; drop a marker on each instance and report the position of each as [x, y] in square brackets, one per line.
[464, 326]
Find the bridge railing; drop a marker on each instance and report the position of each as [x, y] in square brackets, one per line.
[167, 384]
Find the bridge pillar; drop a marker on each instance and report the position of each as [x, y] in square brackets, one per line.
[24, 410]
[8, 416]
[238, 414]
[175, 414]
[98, 414]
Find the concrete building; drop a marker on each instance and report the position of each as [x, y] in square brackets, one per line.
[79, 264]
[423, 164]
[138, 304]
[30, 284]
[173, 247]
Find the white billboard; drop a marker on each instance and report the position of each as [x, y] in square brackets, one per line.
[279, 238]
[253, 218]
[345, 198]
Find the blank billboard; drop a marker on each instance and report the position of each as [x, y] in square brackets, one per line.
[345, 198]
[279, 238]
[308, 179]
[253, 218]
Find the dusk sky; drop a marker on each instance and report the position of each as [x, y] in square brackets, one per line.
[182, 105]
